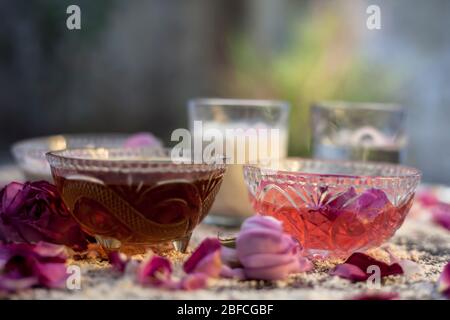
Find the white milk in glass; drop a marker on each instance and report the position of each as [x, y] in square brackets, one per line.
[232, 203]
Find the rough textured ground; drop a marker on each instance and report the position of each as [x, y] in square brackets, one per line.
[417, 240]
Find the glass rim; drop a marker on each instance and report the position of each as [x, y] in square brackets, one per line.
[37, 147]
[235, 102]
[410, 172]
[355, 105]
[63, 158]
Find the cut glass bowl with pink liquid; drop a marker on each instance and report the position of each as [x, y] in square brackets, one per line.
[333, 208]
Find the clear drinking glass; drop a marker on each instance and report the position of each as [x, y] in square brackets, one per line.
[358, 131]
[267, 118]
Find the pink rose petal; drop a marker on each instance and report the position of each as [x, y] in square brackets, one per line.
[409, 267]
[444, 281]
[193, 281]
[363, 261]
[350, 272]
[334, 207]
[304, 264]
[142, 139]
[235, 273]
[377, 296]
[369, 204]
[441, 215]
[118, 261]
[24, 265]
[51, 275]
[355, 267]
[427, 198]
[205, 259]
[156, 272]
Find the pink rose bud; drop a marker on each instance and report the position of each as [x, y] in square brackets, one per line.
[265, 252]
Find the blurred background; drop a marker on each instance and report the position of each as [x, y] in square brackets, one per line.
[134, 64]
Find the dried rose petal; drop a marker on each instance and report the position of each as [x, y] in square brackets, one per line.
[377, 296]
[444, 281]
[205, 259]
[193, 281]
[24, 265]
[33, 212]
[342, 199]
[427, 198]
[305, 265]
[156, 272]
[369, 204]
[118, 261]
[229, 256]
[350, 272]
[265, 252]
[142, 139]
[236, 273]
[355, 267]
[409, 267]
[335, 205]
[441, 214]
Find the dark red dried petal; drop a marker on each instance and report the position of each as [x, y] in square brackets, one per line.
[355, 267]
[118, 261]
[363, 261]
[377, 296]
[25, 265]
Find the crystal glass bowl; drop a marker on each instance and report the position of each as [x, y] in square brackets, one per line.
[333, 208]
[30, 154]
[135, 196]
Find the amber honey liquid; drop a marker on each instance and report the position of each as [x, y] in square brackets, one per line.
[144, 209]
[325, 235]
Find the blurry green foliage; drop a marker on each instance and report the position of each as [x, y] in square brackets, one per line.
[321, 61]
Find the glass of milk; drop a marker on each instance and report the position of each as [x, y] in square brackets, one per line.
[249, 131]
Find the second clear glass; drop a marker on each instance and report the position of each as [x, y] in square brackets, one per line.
[358, 131]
